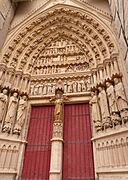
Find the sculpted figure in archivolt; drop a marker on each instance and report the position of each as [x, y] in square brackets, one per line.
[21, 114]
[3, 103]
[11, 112]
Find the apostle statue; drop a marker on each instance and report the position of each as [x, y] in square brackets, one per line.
[21, 114]
[121, 99]
[3, 103]
[102, 97]
[114, 112]
[96, 114]
[11, 113]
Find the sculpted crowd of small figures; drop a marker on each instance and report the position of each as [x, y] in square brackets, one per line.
[12, 111]
[48, 88]
[109, 105]
[61, 69]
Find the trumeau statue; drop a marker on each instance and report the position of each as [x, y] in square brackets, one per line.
[59, 102]
[114, 112]
[121, 99]
[102, 97]
[21, 114]
[3, 103]
[96, 114]
[11, 113]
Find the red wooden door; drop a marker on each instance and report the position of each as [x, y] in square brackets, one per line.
[78, 155]
[37, 154]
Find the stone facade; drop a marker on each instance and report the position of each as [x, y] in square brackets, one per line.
[119, 10]
[58, 51]
[7, 9]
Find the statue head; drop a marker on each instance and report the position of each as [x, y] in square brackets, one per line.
[100, 88]
[108, 83]
[58, 93]
[24, 97]
[59, 86]
[92, 93]
[15, 94]
[5, 91]
[116, 80]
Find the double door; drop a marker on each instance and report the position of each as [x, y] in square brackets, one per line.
[77, 149]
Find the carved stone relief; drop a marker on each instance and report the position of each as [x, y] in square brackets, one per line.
[60, 57]
[111, 98]
[85, 31]
[71, 85]
[12, 111]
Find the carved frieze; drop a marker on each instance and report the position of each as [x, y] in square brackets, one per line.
[71, 85]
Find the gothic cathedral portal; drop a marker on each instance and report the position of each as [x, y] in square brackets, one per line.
[63, 98]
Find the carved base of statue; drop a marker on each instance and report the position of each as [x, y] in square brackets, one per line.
[106, 123]
[7, 127]
[124, 115]
[58, 130]
[98, 125]
[17, 129]
[116, 120]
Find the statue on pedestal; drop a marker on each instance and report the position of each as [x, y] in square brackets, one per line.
[21, 114]
[11, 113]
[121, 100]
[3, 103]
[59, 102]
[114, 112]
[96, 114]
[102, 98]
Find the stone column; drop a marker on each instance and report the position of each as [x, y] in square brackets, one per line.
[56, 152]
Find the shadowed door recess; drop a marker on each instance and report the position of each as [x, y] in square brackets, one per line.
[78, 155]
[38, 150]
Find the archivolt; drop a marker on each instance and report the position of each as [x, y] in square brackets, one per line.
[87, 31]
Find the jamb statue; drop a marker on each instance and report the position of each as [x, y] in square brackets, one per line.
[102, 98]
[3, 103]
[11, 113]
[114, 112]
[121, 99]
[96, 114]
[21, 114]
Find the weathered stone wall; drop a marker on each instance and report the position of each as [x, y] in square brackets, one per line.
[6, 15]
[119, 10]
